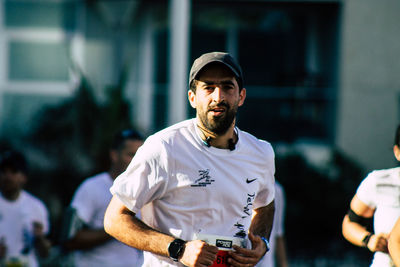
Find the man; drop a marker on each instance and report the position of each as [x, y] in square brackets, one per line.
[23, 217]
[376, 198]
[94, 247]
[199, 179]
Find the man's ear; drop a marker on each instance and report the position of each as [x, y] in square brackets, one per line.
[113, 155]
[192, 98]
[396, 151]
[242, 96]
[25, 178]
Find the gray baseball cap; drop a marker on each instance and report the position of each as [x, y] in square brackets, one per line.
[221, 57]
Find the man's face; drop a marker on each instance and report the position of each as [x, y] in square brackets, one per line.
[121, 158]
[217, 98]
[12, 181]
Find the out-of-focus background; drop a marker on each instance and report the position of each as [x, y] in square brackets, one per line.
[321, 77]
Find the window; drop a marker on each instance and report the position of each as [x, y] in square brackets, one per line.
[37, 61]
[40, 14]
[288, 53]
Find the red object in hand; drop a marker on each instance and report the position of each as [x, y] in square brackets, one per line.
[222, 259]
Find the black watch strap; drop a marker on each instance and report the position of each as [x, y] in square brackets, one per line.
[366, 239]
[176, 249]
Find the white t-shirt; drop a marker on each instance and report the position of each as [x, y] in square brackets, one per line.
[277, 227]
[183, 187]
[16, 225]
[380, 190]
[90, 201]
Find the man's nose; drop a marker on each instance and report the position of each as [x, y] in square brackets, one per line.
[218, 94]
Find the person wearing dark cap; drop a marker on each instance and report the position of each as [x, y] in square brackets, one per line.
[24, 218]
[92, 246]
[205, 189]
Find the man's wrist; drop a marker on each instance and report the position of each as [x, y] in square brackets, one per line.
[366, 239]
[266, 242]
[176, 249]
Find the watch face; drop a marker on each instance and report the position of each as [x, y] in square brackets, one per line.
[176, 248]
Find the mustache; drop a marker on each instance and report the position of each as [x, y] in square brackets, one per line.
[219, 105]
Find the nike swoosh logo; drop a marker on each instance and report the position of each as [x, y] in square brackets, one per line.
[250, 181]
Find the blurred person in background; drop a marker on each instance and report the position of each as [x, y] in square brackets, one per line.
[204, 187]
[24, 220]
[277, 256]
[377, 197]
[92, 245]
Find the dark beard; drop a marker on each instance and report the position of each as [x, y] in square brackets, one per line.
[219, 125]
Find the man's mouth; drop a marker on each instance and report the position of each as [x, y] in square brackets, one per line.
[217, 111]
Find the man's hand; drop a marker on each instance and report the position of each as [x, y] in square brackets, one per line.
[242, 257]
[3, 248]
[37, 229]
[378, 242]
[198, 253]
[41, 243]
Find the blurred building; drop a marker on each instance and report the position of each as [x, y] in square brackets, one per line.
[324, 71]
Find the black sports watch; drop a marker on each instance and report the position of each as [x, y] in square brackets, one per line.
[176, 249]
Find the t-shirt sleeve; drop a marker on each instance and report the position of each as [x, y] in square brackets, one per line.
[279, 218]
[366, 191]
[146, 177]
[46, 222]
[83, 202]
[41, 215]
[267, 191]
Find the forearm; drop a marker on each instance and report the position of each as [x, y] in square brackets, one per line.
[261, 223]
[87, 239]
[394, 244]
[353, 232]
[394, 249]
[280, 251]
[122, 224]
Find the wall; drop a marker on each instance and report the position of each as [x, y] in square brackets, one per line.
[368, 104]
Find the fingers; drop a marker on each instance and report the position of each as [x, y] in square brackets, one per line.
[243, 257]
[199, 253]
[208, 255]
[251, 236]
[384, 235]
[382, 244]
[248, 257]
[241, 262]
[378, 242]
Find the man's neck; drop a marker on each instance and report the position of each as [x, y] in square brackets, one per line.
[113, 172]
[219, 141]
[11, 196]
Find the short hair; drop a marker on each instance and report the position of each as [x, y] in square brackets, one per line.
[397, 136]
[193, 85]
[13, 160]
[123, 135]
